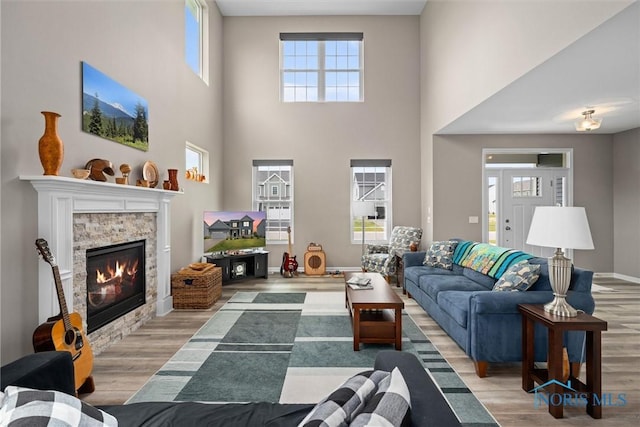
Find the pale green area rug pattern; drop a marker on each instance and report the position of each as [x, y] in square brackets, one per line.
[290, 348]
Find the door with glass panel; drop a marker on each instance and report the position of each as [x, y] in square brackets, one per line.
[521, 191]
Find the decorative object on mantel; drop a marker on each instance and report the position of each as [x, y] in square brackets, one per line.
[150, 173]
[98, 168]
[121, 180]
[166, 185]
[126, 170]
[173, 179]
[142, 183]
[50, 146]
[80, 173]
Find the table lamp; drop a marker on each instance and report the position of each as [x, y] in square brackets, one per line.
[363, 208]
[560, 227]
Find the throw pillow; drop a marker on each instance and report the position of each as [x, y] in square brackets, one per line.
[440, 254]
[34, 408]
[389, 406]
[337, 409]
[519, 277]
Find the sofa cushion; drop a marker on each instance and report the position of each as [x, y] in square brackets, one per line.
[414, 273]
[519, 277]
[440, 254]
[344, 403]
[432, 285]
[28, 407]
[485, 281]
[389, 406]
[456, 304]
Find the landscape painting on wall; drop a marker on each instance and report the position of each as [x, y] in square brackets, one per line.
[112, 111]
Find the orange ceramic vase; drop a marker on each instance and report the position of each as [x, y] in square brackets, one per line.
[50, 146]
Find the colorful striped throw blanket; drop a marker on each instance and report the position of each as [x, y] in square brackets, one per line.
[487, 259]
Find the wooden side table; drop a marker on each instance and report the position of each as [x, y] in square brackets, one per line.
[556, 326]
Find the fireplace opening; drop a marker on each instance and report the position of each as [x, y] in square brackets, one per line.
[115, 282]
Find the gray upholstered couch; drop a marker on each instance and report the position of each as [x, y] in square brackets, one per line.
[486, 324]
[54, 371]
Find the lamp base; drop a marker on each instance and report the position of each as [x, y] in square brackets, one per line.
[560, 279]
[560, 307]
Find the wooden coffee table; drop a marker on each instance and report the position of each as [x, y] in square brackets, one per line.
[376, 313]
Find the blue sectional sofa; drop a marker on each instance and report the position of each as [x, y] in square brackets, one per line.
[485, 323]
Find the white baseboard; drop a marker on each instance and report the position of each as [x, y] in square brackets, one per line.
[618, 276]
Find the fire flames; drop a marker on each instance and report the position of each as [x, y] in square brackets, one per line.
[114, 281]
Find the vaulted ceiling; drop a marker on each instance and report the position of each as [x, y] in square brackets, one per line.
[601, 71]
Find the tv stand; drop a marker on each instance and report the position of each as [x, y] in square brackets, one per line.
[242, 266]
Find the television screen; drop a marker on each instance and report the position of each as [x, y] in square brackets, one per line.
[234, 230]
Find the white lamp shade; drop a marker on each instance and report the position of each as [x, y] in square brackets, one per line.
[364, 208]
[560, 227]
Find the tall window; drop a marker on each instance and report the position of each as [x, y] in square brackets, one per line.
[196, 37]
[371, 181]
[273, 194]
[318, 67]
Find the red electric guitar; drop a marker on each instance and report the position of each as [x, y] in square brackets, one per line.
[289, 265]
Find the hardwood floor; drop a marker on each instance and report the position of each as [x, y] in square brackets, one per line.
[128, 364]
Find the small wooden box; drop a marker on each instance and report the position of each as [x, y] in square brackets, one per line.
[196, 288]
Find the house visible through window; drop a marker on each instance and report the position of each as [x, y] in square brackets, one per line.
[273, 194]
[317, 67]
[196, 37]
[371, 181]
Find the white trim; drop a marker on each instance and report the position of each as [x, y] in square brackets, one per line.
[60, 197]
[485, 151]
[618, 276]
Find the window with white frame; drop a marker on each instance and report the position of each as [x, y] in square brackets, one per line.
[196, 163]
[273, 194]
[371, 182]
[196, 37]
[321, 67]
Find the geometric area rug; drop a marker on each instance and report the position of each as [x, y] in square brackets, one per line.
[290, 348]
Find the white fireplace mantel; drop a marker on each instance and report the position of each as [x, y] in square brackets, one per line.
[60, 197]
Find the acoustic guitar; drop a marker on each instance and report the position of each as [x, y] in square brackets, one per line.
[64, 331]
[289, 265]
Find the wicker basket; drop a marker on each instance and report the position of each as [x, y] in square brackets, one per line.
[196, 288]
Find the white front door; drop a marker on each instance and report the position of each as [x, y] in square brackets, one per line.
[522, 190]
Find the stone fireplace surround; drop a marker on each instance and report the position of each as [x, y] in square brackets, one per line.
[75, 215]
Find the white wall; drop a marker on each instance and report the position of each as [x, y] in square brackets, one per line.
[321, 138]
[140, 44]
[626, 204]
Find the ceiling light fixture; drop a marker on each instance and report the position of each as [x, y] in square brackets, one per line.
[587, 122]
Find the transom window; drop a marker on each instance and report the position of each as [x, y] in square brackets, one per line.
[321, 67]
[371, 181]
[273, 194]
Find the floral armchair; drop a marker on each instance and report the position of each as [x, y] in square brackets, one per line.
[382, 258]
